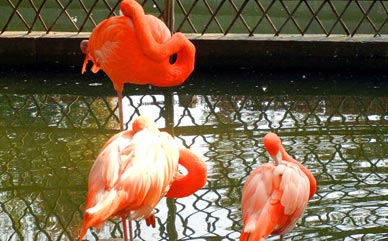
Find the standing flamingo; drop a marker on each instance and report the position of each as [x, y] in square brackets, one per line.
[136, 48]
[276, 194]
[134, 170]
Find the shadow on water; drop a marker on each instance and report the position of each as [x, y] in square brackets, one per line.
[205, 81]
[53, 123]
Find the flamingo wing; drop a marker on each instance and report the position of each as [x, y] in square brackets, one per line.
[115, 39]
[257, 203]
[295, 189]
[131, 173]
[153, 166]
[159, 30]
[274, 197]
[111, 44]
[107, 167]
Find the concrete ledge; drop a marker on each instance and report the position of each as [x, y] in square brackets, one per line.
[41, 49]
[313, 52]
[215, 50]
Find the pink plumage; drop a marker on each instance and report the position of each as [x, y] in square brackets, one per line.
[275, 195]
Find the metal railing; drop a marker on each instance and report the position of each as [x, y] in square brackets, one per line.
[248, 17]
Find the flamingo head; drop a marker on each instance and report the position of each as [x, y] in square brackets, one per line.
[144, 122]
[85, 50]
[272, 144]
[84, 46]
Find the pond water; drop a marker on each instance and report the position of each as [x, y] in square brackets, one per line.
[54, 122]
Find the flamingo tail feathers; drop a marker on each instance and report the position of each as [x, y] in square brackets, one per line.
[101, 211]
[261, 226]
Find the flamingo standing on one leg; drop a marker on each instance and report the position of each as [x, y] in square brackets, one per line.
[275, 195]
[134, 170]
[136, 48]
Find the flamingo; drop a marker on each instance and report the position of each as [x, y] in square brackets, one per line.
[134, 170]
[136, 48]
[275, 195]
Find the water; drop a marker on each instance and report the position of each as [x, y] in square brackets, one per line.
[53, 123]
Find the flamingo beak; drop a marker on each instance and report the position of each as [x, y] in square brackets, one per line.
[277, 158]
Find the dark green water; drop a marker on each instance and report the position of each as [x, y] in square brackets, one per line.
[53, 123]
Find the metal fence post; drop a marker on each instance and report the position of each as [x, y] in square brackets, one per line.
[169, 14]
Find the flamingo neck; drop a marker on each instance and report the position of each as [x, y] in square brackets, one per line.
[185, 59]
[313, 182]
[158, 50]
[185, 185]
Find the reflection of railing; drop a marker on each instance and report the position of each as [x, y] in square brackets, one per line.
[204, 112]
[48, 143]
[275, 17]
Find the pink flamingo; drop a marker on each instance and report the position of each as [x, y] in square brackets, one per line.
[134, 170]
[275, 195]
[136, 48]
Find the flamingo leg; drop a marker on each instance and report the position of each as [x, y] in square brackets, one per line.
[281, 238]
[120, 100]
[125, 231]
[130, 229]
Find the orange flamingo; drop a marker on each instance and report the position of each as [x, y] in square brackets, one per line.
[134, 170]
[276, 194]
[136, 48]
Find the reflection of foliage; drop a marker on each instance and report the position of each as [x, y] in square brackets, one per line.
[64, 111]
[232, 156]
[44, 180]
